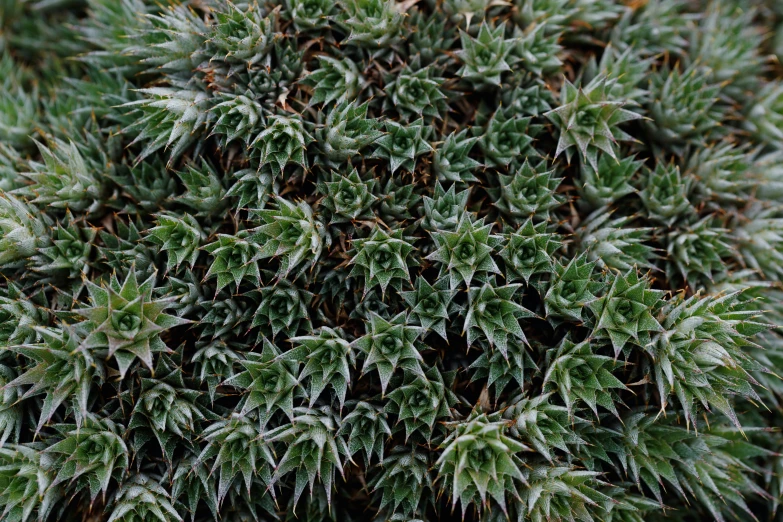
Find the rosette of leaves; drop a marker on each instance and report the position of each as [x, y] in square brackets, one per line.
[432, 306]
[493, 315]
[367, 430]
[388, 346]
[282, 142]
[254, 188]
[695, 251]
[238, 451]
[22, 230]
[589, 120]
[168, 408]
[141, 497]
[684, 108]
[501, 367]
[314, 448]
[402, 144]
[126, 320]
[700, 355]
[572, 288]
[327, 358]
[665, 194]
[345, 132]
[283, 308]
[348, 198]
[292, 234]
[235, 259]
[374, 25]
[414, 92]
[610, 242]
[451, 160]
[191, 484]
[610, 182]
[65, 179]
[417, 403]
[403, 481]
[180, 237]
[334, 80]
[505, 140]
[486, 57]
[89, 456]
[205, 190]
[465, 253]
[173, 41]
[431, 35]
[269, 382]
[382, 259]
[25, 485]
[528, 251]
[625, 73]
[69, 257]
[62, 370]
[577, 373]
[546, 427]
[398, 201]
[20, 314]
[702, 465]
[170, 117]
[625, 312]
[122, 250]
[148, 184]
[479, 461]
[537, 48]
[214, 362]
[561, 492]
[310, 15]
[530, 192]
[444, 209]
[238, 116]
[225, 315]
[243, 37]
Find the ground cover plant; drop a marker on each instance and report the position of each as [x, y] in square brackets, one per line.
[370, 260]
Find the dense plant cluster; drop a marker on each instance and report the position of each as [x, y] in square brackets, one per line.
[391, 260]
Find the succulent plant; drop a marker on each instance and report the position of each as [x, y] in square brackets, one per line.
[625, 312]
[315, 448]
[486, 57]
[282, 142]
[334, 81]
[90, 455]
[126, 320]
[528, 192]
[465, 252]
[348, 198]
[290, 233]
[432, 306]
[528, 251]
[371, 259]
[389, 345]
[479, 460]
[345, 133]
[327, 359]
[492, 314]
[402, 144]
[588, 120]
[382, 259]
